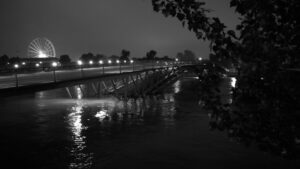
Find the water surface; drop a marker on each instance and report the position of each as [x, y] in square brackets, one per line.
[49, 130]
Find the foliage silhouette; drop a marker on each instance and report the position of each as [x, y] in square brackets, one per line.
[264, 47]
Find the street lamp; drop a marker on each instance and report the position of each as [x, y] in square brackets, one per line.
[37, 65]
[79, 62]
[91, 62]
[101, 63]
[120, 68]
[200, 58]
[109, 62]
[54, 65]
[16, 66]
[132, 62]
[23, 63]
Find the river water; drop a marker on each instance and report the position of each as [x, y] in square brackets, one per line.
[48, 130]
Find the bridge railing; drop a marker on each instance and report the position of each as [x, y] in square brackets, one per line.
[58, 73]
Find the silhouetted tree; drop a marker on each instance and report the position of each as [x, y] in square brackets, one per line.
[186, 56]
[14, 60]
[4, 60]
[87, 57]
[100, 57]
[64, 59]
[125, 55]
[264, 104]
[114, 58]
[151, 55]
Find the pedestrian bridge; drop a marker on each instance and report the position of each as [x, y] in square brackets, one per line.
[143, 80]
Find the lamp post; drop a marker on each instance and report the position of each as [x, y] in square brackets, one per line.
[132, 62]
[16, 66]
[54, 65]
[91, 62]
[200, 59]
[79, 62]
[101, 63]
[120, 68]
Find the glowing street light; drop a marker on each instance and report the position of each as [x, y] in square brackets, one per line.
[37, 65]
[120, 68]
[23, 63]
[102, 63]
[125, 61]
[176, 59]
[16, 66]
[200, 58]
[109, 62]
[79, 62]
[132, 62]
[54, 65]
[91, 62]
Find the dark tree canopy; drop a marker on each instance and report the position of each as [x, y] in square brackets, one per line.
[4, 60]
[151, 55]
[125, 54]
[263, 47]
[186, 56]
[65, 59]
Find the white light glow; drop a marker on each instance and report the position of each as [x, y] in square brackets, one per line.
[91, 62]
[37, 65]
[16, 66]
[131, 61]
[109, 61]
[79, 62]
[101, 62]
[233, 82]
[54, 64]
[101, 115]
[118, 61]
[42, 54]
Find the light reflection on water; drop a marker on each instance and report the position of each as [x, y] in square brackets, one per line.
[81, 159]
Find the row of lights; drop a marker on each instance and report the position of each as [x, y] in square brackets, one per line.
[54, 64]
[79, 62]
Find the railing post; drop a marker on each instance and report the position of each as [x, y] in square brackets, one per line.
[16, 77]
[54, 75]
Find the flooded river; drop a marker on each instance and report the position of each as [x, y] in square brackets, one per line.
[48, 130]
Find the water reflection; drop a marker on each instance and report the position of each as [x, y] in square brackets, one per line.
[233, 82]
[81, 159]
[177, 86]
[101, 115]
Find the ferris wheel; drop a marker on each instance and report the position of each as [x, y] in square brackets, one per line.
[41, 48]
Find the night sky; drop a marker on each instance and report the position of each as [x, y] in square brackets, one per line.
[100, 26]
